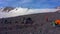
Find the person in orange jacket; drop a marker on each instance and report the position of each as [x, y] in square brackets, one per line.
[56, 22]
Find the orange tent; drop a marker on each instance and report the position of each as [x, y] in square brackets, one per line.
[57, 22]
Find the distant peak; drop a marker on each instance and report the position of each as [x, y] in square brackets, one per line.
[7, 9]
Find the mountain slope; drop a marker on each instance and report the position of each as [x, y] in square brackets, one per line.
[10, 12]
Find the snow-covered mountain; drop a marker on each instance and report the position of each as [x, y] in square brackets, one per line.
[12, 12]
[6, 9]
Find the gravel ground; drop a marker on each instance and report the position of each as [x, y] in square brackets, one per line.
[40, 24]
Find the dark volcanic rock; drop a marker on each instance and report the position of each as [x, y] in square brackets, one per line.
[39, 26]
[7, 9]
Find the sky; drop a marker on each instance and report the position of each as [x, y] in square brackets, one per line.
[30, 3]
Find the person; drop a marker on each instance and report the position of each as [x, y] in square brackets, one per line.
[56, 23]
[46, 18]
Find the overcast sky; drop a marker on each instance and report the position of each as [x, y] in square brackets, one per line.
[30, 3]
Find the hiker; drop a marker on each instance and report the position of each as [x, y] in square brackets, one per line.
[56, 23]
[46, 18]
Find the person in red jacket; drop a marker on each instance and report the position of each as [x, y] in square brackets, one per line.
[46, 18]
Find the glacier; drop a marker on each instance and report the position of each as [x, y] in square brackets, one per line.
[24, 11]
